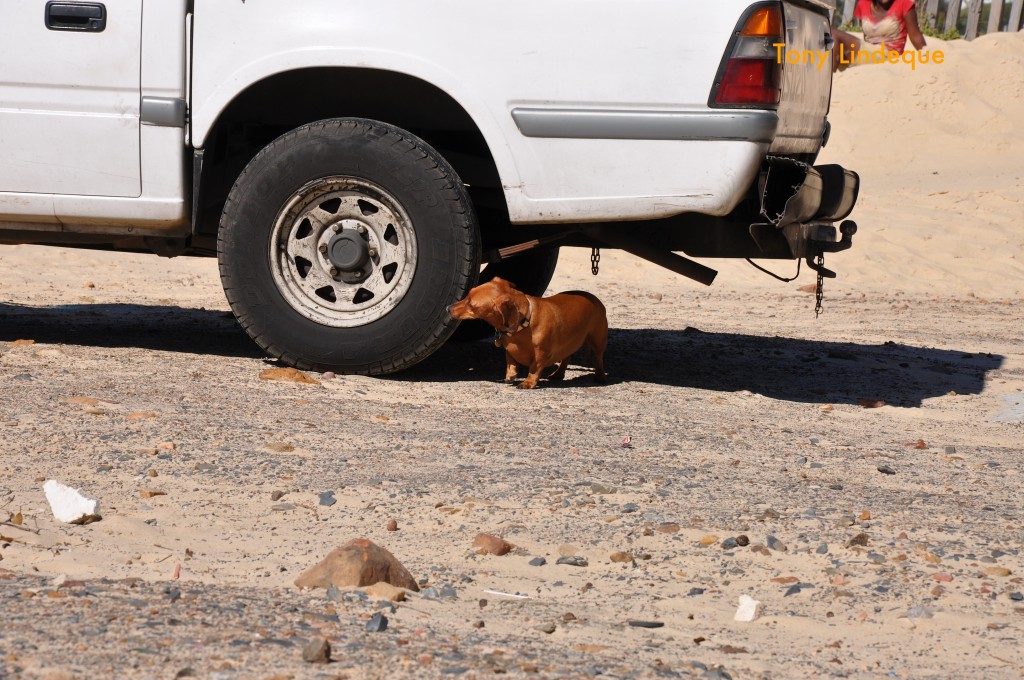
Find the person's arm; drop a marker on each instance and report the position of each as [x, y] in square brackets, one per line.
[914, 29]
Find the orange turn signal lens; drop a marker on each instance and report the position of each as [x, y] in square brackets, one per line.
[765, 23]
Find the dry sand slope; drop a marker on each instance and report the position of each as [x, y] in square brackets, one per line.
[883, 542]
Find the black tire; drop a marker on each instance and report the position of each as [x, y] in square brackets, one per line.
[269, 262]
[531, 272]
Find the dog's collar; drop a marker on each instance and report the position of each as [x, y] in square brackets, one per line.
[500, 335]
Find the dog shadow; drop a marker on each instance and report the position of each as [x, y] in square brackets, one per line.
[790, 369]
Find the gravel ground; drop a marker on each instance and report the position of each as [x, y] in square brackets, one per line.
[882, 540]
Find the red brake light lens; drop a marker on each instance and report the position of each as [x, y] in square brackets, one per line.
[750, 82]
[752, 74]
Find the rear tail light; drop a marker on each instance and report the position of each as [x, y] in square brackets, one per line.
[751, 73]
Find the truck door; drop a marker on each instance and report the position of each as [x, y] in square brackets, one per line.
[69, 97]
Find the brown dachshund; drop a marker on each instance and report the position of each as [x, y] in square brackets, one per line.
[538, 332]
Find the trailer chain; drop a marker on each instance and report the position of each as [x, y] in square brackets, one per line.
[819, 290]
[595, 261]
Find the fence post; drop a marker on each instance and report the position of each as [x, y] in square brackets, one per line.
[995, 14]
[931, 14]
[973, 19]
[848, 6]
[952, 14]
[1015, 15]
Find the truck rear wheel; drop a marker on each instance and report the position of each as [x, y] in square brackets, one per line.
[342, 244]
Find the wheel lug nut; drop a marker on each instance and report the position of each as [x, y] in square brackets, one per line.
[334, 271]
[361, 229]
[323, 248]
[373, 252]
[336, 228]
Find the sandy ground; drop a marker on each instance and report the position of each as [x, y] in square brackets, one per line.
[883, 541]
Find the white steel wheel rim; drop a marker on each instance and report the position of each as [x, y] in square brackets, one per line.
[343, 252]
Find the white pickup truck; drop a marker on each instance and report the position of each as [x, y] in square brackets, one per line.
[353, 165]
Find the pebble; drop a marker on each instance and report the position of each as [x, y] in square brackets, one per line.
[277, 495]
[886, 470]
[573, 561]
[601, 489]
[792, 590]
[548, 627]
[317, 650]
[644, 624]
[776, 545]
[708, 540]
[694, 592]
[377, 624]
[1016, 596]
[282, 507]
[392, 525]
[538, 562]
[668, 528]
[742, 540]
[327, 499]
[729, 544]
[859, 539]
[822, 549]
[621, 557]
[489, 544]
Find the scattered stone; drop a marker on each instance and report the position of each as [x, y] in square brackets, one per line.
[859, 539]
[601, 489]
[489, 544]
[694, 592]
[287, 375]
[538, 562]
[792, 590]
[547, 628]
[280, 447]
[621, 557]
[566, 550]
[886, 470]
[327, 499]
[996, 571]
[950, 450]
[865, 516]
[942, 577]
[277, 495]
[573, 561]
[668, 528]
[386, 591]
[282, 507]
[748, 610]
[729, 544]
[69, 505]
[644, 624]
[392, 525]
[708, 540]
[742, 540]
[358, 563]
[317, 650]
[377, 624]
[776, 545]
[151, 493]
[1017, 596]
[822, 549]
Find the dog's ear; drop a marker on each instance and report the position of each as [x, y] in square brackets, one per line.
[509, 313]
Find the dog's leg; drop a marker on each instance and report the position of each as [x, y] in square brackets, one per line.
[597, 343]
[511, 368]
[559, 373]
[540, 361]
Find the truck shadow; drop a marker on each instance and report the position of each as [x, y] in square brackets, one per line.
[156, 327]
[791, 369]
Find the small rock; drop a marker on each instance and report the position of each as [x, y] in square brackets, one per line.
[748, 610]
[792, 590]
[886, 470]
[327, 499]
[392, 525]
[282, 507]
[548, 628]
[358, 563]
[277, 495]
[694, 592]
[668, 528]
[708, 540]
[538, 562]
[859, 539]
[942, 577]
[822, 549]
[644, 624]
[742, 540]
[151, 493]
[729, 544]
[601, 489]
[488, 544]
[377, 624]
[317, 650]
[69, 505]
[573, 561]
[1017, 596]
[996, 571]
[950, 450]
[776, 545]
[386, 591]
[621, 557]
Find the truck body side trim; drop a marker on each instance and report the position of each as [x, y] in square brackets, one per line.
[163, 111]
[746, 126]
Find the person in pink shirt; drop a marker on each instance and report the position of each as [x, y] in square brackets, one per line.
[887, 24]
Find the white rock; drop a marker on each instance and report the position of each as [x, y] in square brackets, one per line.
[748, 610]
[69, 505]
